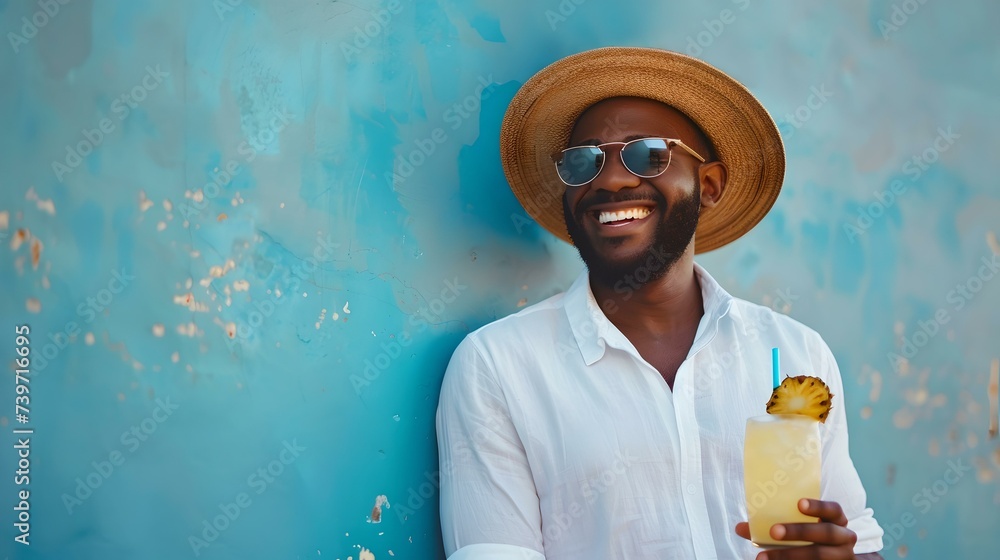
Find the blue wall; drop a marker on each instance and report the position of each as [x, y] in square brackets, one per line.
[216, 269]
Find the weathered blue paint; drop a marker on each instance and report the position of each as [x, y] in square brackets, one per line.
[317, 105]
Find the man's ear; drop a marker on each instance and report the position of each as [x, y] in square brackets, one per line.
[713, 176]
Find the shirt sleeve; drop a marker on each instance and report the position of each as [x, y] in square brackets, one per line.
[489, 506]
[840, 480]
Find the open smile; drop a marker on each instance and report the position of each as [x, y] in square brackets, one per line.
[621, 218]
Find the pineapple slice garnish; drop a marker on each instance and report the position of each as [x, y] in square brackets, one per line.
[803, 394]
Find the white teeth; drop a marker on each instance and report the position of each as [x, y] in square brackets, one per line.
[631, 213]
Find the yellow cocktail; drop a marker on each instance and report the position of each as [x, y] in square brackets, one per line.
[781, 465]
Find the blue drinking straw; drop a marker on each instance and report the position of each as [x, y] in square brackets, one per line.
[775, 379]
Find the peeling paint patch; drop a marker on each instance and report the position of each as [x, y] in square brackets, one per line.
[45, 205]
[322, 317]
[175, 357]
[33, 305]
[222, 217]
[4, 219]
[218, 272]
[983, 472]
[376, 516]
[36, 252]
[20, 236]
[158, 330]
[89, 339]
[187, 300]
[241, 285]
[991, 240]
[144, 203]
[189, 329]
[366, 554]
[346, 310]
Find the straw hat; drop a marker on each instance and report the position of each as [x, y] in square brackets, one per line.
[540, 118]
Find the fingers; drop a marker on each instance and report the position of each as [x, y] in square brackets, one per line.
[812, 552]
[830, 512]
[831, 538]
[827, 534]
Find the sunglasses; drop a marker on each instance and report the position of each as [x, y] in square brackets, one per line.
[643, 157]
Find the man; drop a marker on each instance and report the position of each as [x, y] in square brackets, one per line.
[608, 421]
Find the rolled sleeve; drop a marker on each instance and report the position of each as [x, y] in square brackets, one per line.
[489, 505]
[841, 482]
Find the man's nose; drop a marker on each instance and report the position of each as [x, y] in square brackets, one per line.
[614, 176]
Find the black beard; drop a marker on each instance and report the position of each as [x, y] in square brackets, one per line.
[671, 238]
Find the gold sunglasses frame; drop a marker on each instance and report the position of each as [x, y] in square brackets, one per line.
[670, 142]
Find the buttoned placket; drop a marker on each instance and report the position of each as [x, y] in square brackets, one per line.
[692, 479]
[684, 425]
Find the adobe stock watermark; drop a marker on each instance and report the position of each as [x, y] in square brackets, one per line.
[723, 362]
[428, 314]
[788, 468]
[553, 192]
[713, 29]
[914, 168]
[291, 283]
[462, 451]
[48, 10]
[363, 36]
[258, 481]
[924, 501]
[900, 15]
[590, 488]
[121, 107]
[88, 311]
[959, 298]
[404, 165]
[818, 97]
[563, 11]
[223, 7]
[223, 175]
[131, 440]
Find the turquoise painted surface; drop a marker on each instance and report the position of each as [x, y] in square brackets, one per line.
[233, 248]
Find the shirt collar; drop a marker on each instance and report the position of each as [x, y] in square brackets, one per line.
[593, 331]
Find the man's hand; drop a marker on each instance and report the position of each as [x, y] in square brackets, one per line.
[831, 538]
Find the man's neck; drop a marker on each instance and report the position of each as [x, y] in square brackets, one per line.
[668, 305]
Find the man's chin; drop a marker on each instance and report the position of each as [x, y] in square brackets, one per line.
[608, 264]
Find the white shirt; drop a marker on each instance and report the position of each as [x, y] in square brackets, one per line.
[558, 441]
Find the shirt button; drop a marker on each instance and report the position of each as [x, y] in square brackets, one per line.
[691, 489]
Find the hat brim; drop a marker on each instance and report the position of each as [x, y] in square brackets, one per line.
[540, 118]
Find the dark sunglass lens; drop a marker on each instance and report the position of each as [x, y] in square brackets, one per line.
[647, 157]
[580, 165]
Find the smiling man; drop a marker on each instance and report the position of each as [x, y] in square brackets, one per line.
[608, 421]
